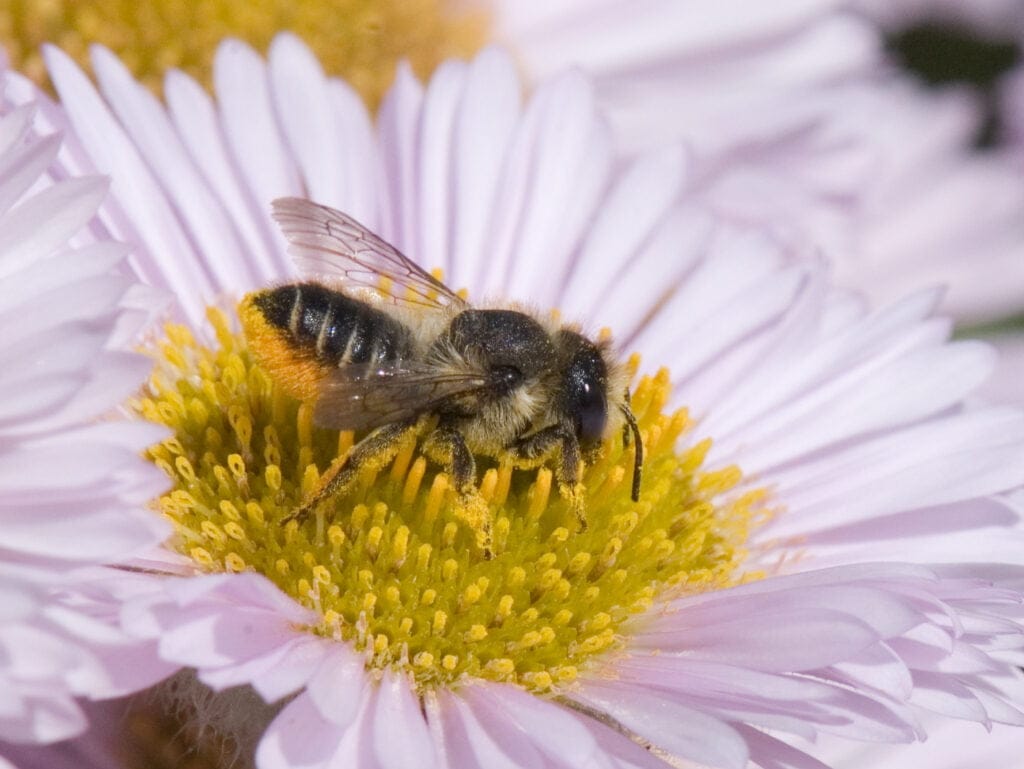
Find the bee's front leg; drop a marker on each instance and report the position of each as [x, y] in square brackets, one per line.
[543, 444]
[378, 448]
[446, 446]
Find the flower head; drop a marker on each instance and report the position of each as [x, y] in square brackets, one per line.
[765, 583]
[71, 480]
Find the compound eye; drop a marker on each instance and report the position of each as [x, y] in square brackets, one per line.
[591, 413]
[507, 377]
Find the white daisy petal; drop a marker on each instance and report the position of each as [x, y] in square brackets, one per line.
[199, 126]
[396, 131]
[153, 134]
[113, 153]
[299, 736]
[253, 135]
[307, 121]
[400, 737]
[23, 165]
[570, 157]
[488, 115]
[444, 95]
[630, 215]
[338, 687]
[14, 127]
[685, 732]
[61, 207]
[552, 730]
[65, 503]
[467, 743]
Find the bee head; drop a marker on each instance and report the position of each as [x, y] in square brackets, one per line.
[584, 397]
[584, 392]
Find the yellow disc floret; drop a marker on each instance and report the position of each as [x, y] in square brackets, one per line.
[391, 567]
[360, 40]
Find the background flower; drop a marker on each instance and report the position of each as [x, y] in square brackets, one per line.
[71, 486]
[997, 18]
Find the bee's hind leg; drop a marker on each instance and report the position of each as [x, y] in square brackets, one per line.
[446, 446]
[377, 448]
[542, 444]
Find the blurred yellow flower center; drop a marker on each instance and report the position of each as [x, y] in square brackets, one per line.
[389, 566]
[361, 40]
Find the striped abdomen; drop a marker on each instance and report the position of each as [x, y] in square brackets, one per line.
[336, 329]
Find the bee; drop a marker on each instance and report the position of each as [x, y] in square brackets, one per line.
[381, 347]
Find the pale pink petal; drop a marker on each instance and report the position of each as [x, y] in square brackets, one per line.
[487, 116]
[400, 739]
[197, 122]
[146, 214]
[570, 163]
[397, 124]
[1007, 383]
[298, 737]
[629, 215]
[558, 139]
[253, 135]
[683, 731]
[443, 96]
[339, 685]
[152, 132]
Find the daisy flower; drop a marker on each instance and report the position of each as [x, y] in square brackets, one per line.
[817, 539]
[71, 482]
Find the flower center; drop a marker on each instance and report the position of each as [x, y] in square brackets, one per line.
[391, 567]
[360, 40]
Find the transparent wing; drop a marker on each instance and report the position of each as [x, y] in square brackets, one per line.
[364, 396]
[327, 242]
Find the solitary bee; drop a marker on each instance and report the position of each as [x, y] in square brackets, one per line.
[385, 349]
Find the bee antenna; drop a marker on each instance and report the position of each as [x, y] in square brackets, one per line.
[638, 447]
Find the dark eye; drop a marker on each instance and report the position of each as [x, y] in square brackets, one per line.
[506, 378]
[591, 412]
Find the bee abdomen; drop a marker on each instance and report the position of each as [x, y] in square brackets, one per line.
[335, 328]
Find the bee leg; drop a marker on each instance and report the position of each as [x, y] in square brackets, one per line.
[446, 446]
[545, 442]
[378, 448]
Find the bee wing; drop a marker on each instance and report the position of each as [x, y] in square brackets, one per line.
[365, 396]
[327, 242]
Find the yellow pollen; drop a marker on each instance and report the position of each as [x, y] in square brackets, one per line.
[393, 567]
[360, 40]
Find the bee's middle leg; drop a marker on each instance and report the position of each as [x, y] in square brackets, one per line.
[446, 446]
[380, 446]
[543, 444]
